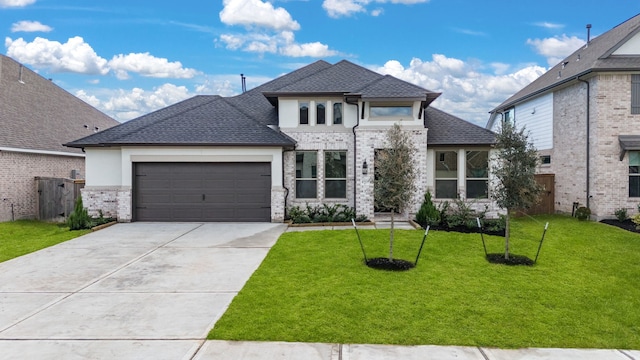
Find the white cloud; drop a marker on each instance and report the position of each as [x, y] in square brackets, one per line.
[315, 49]
[148, 66]
[30, 26]
[548, 25]
[125, 105]
[255, 13]
[338, 8]
[283, 43]
[15, 3]
[555, 49]
[467, 92]
[73, 56]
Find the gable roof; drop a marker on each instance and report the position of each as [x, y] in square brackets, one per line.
[249, 119]
[597, 55]
[37, 115]
[448, 130]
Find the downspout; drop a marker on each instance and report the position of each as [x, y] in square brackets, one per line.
[355, 152]
[588, 142]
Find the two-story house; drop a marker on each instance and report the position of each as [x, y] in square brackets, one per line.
[36, 118]
[583, 116]
[308, 137]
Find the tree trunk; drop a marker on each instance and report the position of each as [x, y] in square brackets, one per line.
[506, 236]
[391, 238]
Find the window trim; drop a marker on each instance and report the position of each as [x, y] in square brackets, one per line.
[435, 173]
[326, 178]
[301, 104]
[633, 175]
[314, 173]
[468, 178]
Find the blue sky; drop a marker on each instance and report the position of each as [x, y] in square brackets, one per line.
[128, 58]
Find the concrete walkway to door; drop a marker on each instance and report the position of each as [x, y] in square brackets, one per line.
[131, 291]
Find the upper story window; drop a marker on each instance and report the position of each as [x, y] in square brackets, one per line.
[509, 116]
[635, 94]
[390, 110]
[634, 173]
[477, 174]
[337, 113]
[303, 108]
[446, 174]
[320, 113]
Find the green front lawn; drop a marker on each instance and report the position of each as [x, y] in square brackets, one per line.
[21, 237]
[313, 287]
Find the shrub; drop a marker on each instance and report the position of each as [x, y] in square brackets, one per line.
[621, 214]
[495, 225]
[79, 219]
[461, 214]
[428, 213]
[323, 213]
[583, 213]
[636, 220]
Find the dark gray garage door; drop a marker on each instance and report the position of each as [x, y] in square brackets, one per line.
[202, 191]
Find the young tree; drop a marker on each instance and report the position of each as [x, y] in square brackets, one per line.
[394, 184]
[514, 168]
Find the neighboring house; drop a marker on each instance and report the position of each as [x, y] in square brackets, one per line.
[308, 137]
[584, 118]
[36, 118]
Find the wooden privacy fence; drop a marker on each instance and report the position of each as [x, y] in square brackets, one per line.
[56, 197]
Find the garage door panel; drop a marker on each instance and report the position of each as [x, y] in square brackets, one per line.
[202, 192]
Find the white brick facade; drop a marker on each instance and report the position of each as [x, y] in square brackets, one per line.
[610, 116]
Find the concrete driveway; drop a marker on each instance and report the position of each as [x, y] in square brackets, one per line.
[130, 291]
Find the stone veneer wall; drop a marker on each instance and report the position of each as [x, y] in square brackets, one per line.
[610, 113]
[611, 116]
[568, 157]
[17, 180]
[113, 202]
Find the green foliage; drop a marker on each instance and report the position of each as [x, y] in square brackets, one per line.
[583, 213]
[461, 214]
[79, 219]
[395, 173]
[495, 225]
[308, 291]
[21, 237]
[323, 213]
[621, 214]
[428, 213]
[636, 220]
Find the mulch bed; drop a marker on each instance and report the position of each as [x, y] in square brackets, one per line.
[513, 259]
[627, 224]
[391, 265]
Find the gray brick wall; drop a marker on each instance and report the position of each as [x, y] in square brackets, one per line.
[17, 180]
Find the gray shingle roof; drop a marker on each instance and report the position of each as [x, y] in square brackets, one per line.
[36, 114]
[595, 56]
[446, 129]
[243, 120]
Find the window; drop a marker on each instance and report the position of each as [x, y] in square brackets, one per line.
[634, 173]
[477, 174]
[545, 159]
[306, 174]
[446, 174]
[635, 94]
[337, 113]
[335, 174]
[304, 113]
[320, 113]
[390, 110]
[509, 116]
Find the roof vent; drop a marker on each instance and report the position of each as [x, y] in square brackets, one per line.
[20, 75]
[559, 74]
[564, 64]
[578, 59]
[588, 35]
[243, 80]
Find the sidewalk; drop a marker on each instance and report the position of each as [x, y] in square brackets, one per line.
[243, 350]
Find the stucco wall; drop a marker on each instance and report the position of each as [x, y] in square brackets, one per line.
[17, 184]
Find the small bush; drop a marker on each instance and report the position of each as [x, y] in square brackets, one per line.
[461, 214]
[428, 213]
[583, 213]
[636, 220]
[323, 213]
[79, 219]
[621, 214]
[495, 225]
